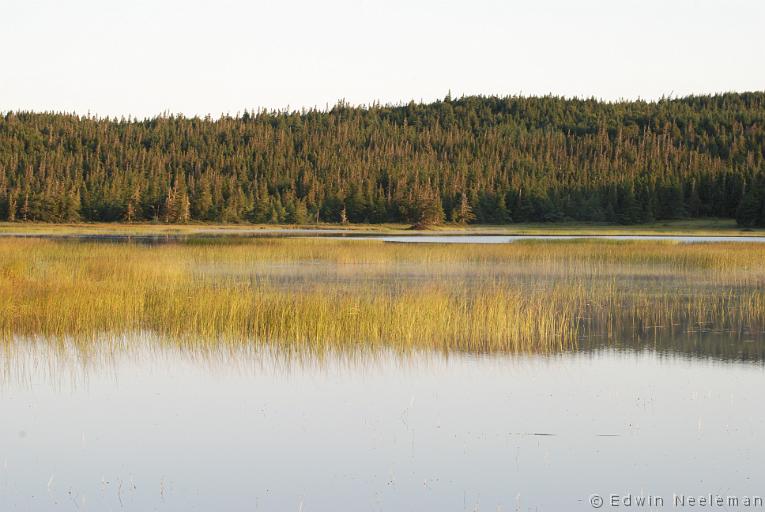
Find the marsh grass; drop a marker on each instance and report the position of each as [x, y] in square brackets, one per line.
[315, 295]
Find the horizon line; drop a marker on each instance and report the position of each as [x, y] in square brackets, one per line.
[375, 104]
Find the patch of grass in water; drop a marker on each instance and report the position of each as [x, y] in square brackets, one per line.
[526, 297]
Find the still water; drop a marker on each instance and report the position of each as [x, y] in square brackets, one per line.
[166, 429]
[644, 406]
[500, 239]
[339, 234]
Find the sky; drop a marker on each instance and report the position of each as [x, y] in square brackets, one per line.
[145, 57]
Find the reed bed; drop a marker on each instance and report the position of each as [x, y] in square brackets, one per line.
[316, 295]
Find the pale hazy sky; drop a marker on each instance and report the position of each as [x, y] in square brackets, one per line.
[143, 57]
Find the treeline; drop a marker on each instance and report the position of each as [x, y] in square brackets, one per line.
[473, 159]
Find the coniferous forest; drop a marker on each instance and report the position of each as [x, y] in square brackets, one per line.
[468, 160]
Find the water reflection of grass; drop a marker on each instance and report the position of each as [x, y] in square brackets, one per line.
[331, 294]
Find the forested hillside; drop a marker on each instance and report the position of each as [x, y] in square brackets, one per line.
[473, 159]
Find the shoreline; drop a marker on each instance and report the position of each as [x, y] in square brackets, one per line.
[702, 227]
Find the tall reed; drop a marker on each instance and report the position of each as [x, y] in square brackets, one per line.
[306, 294]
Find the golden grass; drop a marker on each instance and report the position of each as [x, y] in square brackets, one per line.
[316, 295]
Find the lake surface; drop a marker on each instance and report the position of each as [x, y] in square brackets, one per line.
[339, 234]
[215, 391]
[161, 429]
[500, 239]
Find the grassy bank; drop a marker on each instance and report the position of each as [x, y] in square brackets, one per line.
[709, 227]
[313, 294]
